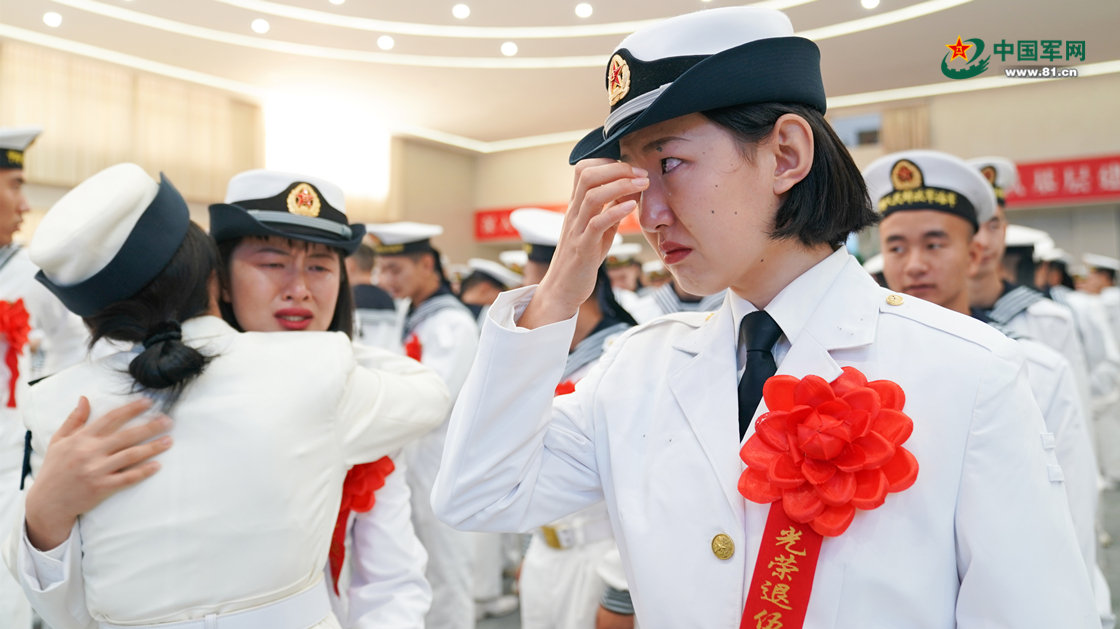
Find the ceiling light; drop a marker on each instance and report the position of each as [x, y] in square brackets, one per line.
[260, 26]
[337, 1]
[52, 19]
[509, 49]
[385, 42]
[460, 11]
[869, 4]
[583, 10]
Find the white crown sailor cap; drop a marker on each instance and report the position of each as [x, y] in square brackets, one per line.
[654, 267]
[1020, 236]
[287, 205]
[496, 272]
[107, 238]
[1002, 174]
[394, 239]
[1049, 252]
[929, 180]
[540, 232]
[514, 260]
[622, 254]
[13, 142]
[874, 264]
[702, 61]
[1095, 261]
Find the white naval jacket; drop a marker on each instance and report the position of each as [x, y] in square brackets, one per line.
[982, 539]
[242, 510]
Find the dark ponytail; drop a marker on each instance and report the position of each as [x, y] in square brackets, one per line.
[151, 317]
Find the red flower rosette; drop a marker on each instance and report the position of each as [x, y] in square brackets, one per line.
[826, 450]
[412, 348]
[357, 496]
[15, 325]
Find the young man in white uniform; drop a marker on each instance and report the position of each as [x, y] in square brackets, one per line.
[928, 249]
[441, 333]
[982, 537]
[61, 334]
[560, 583]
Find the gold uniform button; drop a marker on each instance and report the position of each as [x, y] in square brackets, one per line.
[723, 546]
[894, 300]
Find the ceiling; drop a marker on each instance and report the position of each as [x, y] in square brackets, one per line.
[311, 49]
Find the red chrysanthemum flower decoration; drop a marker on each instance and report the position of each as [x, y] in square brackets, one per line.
[826, 450]
[565, 388]
[15, 325]
[357, 496]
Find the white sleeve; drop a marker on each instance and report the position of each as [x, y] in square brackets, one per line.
[387, 585]
[1017, 556]
[449, 342]
[383, 409]
[514, 459]
[52, 580]
[1102, 351]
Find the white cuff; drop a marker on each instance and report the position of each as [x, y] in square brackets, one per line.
[46, 568]
[510, 305]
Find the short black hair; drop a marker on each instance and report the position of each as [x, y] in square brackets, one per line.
[363, 257]
[831, 202]
[477, 277]
[343, 320]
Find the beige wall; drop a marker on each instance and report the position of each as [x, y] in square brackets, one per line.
[431, 184]
[532, 176]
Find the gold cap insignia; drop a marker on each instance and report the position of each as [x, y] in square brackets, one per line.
[905, 175]
[15, 157]
[618, 79]
[303, 200]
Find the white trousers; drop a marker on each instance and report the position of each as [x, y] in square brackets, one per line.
[560, 589]
[15, 611]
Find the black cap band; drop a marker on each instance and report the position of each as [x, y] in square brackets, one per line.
[419, 246]
[146, 252]
[539, 253]
[11, 158]
[929, 198]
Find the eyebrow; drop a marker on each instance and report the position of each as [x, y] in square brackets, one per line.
[278, 250]
[936, 233]
[651, 146]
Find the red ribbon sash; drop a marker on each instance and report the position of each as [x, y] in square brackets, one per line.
[783, 577]
[15, 325]
[357, 496]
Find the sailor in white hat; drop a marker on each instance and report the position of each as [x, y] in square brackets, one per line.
[283, 238]
[670, 298]
[625, 272]
[874, 266]
[514, 260]
[227, 527]
[662, 427]
[997, 291]
[53, 330]
[560, 586]
[483, 283]
[654, 275]
[441, 333]
[928, 248]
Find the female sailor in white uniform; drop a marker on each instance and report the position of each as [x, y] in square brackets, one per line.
[234, 528]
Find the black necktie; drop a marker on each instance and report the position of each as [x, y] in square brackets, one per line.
[758, 333]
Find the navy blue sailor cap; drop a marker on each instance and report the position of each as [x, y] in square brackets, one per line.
[703, 61]
[110, 236]
[286, 205]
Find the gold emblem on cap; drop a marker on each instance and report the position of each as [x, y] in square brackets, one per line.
[723, 546]
[905, 175]
[894, 300]
[303, 200]
[618, 79]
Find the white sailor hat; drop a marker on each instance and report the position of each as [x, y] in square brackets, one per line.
[287, 205]
[394, 239]
[540, 232]
[514, 260]
[1002, 174]
[495, 271]
[1049, 252]
[874, 264]
[702, 61]
[13, 142]
[108, 237]
[1028, 237]
[929, 180]
[654, 267]
[1095, 261]
[622, 254]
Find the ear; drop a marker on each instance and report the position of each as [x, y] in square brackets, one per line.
[975, 254]
[793, 151]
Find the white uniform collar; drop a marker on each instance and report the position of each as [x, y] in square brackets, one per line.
[797, 302]
[206, 326]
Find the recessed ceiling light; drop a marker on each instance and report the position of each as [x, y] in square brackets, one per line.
[583, 9]
[869, 4]
[385, 42]
[460, 11]
[52, 19]
[509, 49]
[260, 26]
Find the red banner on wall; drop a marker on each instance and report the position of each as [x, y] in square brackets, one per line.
[1085, 180]
[494, 226]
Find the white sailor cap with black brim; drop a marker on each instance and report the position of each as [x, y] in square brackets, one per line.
[405, 237]
[1002, 174]
[1096, 261]
[495, 271]
[540, 232]
[110, 236]
[623, 254]
[929, 180]
[702, 61]
[286, 205]
[13, 142]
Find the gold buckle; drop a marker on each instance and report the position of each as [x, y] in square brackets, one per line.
[551, 538]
